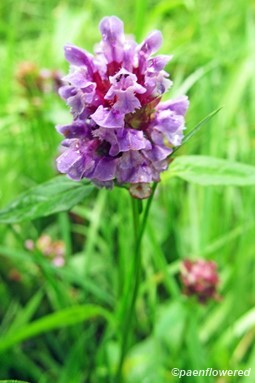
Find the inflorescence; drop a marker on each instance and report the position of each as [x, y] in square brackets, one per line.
[121, 133]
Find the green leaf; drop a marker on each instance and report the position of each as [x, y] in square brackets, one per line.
[196, 129]
[27, 312]
[145, 362]
[239, 328]
[170, 325]
[12, 381]
[58, 194]
[205, 170]
[63, 318]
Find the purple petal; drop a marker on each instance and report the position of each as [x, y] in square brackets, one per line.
[157, 153]
[141, 173]
[160, 166]
[78, 78]
[178, 105]
[69, 142]
[134, 168]
[123, 139]
[67, 91]
[127, 102]
[131, 139]
[71, 163]
[74, 99]
[173, 137]
[89, 92]
[129, 53]
[157, 137]
[112, 30]
[168, 122]
[124, 80]
[157, 84]
[108, 118]
[156, 64]
[76, 104]
[108, 135]
[105, 169]
[176, 138]
[124, 86]
[79, 103]
[79, 57]
[79, 159]
[76, 129]
[152, 43]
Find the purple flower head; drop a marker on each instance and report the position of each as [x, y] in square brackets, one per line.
[200, 278]
[121, 133]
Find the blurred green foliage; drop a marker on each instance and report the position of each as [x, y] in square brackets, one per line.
[60, 323]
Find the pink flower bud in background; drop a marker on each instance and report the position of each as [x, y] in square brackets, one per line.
[200, 278]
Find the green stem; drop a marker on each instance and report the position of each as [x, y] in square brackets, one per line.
[145, 215]
[129, 304]
[135, 211]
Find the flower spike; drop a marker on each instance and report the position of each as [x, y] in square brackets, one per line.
[121, 132]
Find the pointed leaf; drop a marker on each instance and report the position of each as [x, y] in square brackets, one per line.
[196, 129]
[205, 170]
[58, 194]
[12, 381]
[63, 318]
